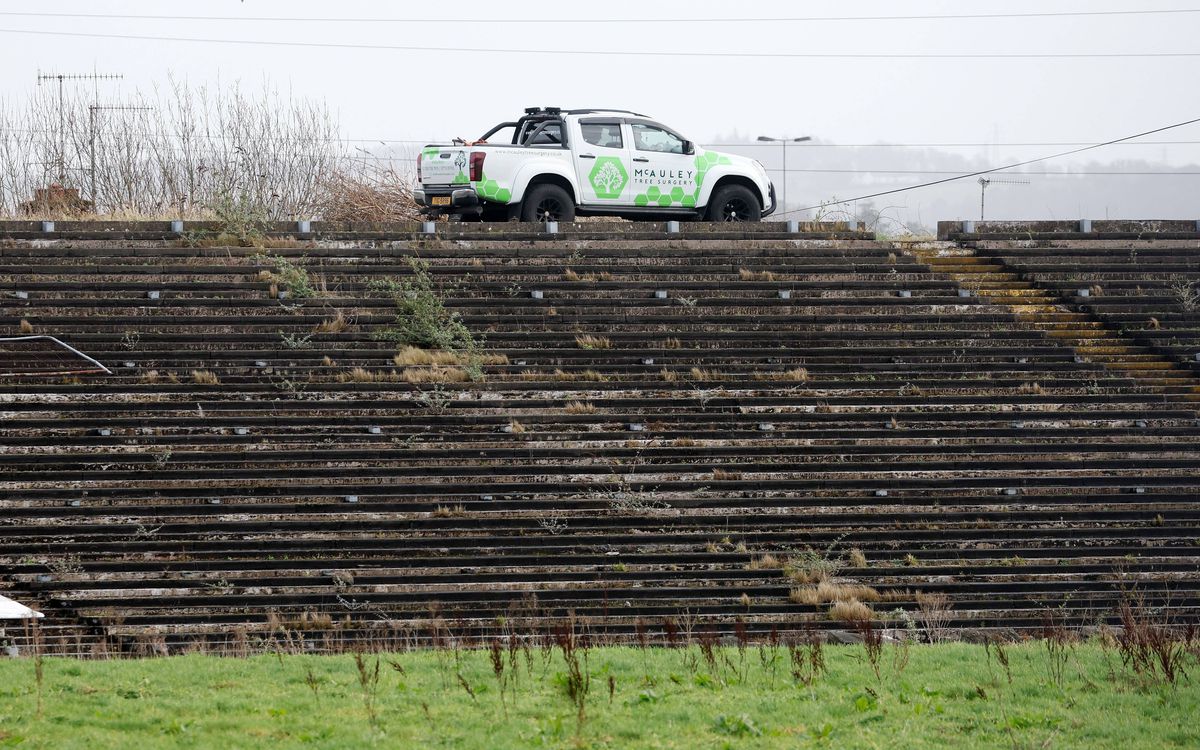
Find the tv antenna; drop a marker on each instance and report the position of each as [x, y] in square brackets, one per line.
[62, 114]
[983, 186]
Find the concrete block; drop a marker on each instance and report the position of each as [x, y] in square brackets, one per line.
[153, 295]
[793, 226]
[47, 226]
[1083, 292]
[350, 499]
[374, 430]
[304, 227]
[785, 294]
[551, 227]
[177, 226]
[1085, 226]
[968, 227]
[965, 293]
[660, 294]
[672, 227]
[536, 294]
[428, 227]
[905, 293]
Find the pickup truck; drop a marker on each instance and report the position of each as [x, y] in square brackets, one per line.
[557, 164]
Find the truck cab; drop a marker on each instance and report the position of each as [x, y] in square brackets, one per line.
[554, 164]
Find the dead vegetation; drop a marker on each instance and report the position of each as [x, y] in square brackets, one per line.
[337, 324]
[205, 377]
[570, 275]
[588, 341]
[794, 375]
[747, 275]
[830, 591]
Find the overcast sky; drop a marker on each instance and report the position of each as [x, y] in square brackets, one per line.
[421, 95]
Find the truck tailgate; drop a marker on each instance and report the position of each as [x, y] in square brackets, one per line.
[444, 165]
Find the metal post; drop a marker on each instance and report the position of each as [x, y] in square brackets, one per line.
[783, 192]
[62, 135]
[92, 155]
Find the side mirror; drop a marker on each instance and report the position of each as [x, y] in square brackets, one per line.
[689, 148]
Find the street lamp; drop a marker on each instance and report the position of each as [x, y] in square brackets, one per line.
[783, 142]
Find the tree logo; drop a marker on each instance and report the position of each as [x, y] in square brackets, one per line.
[460, 161]
[608, 177]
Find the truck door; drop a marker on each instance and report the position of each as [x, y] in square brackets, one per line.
[602, 162]
[664, 174]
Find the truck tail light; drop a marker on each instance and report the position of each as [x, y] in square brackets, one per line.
[477, 165]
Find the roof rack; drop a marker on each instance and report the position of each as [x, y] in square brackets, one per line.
[560, 111]
[603, 109]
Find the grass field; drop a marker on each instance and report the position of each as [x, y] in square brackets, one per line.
[950, 695]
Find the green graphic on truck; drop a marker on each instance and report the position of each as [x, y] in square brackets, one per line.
[491, 190]
[656, 195]
[608, 177]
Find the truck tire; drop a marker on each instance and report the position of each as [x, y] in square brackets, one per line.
[547, 203]
[734, 203]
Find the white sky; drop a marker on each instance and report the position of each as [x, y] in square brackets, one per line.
[435, 95]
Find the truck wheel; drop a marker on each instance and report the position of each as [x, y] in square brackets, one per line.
[547, 203]
[734, 203]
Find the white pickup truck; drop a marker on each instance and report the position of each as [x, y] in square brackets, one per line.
[561, 163]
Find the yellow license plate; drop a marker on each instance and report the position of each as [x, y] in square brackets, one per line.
[440, 200]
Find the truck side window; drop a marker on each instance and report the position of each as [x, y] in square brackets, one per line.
[549, 134]
[603, 134]
[650, 138]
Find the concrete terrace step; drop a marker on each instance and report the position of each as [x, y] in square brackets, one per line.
[792, 398]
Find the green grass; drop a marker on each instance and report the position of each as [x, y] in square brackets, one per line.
[948, 696]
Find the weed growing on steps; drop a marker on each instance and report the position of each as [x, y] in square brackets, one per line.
[422, 319]
[241, 215]
[292, 277]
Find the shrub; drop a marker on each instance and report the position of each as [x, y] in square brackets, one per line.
[422, 319]
[381, 195]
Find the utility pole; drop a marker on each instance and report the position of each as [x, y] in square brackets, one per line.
[783, 142]
[92, 110]
[62, 112]
[983, 186]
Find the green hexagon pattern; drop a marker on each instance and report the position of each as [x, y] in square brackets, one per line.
[704, 161]
[492, 191]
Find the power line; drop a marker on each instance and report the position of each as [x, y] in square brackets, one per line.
[1002, 168]
[786, 19]
[952, 145]
[425, 141]
[937, 171]
[627, 53]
